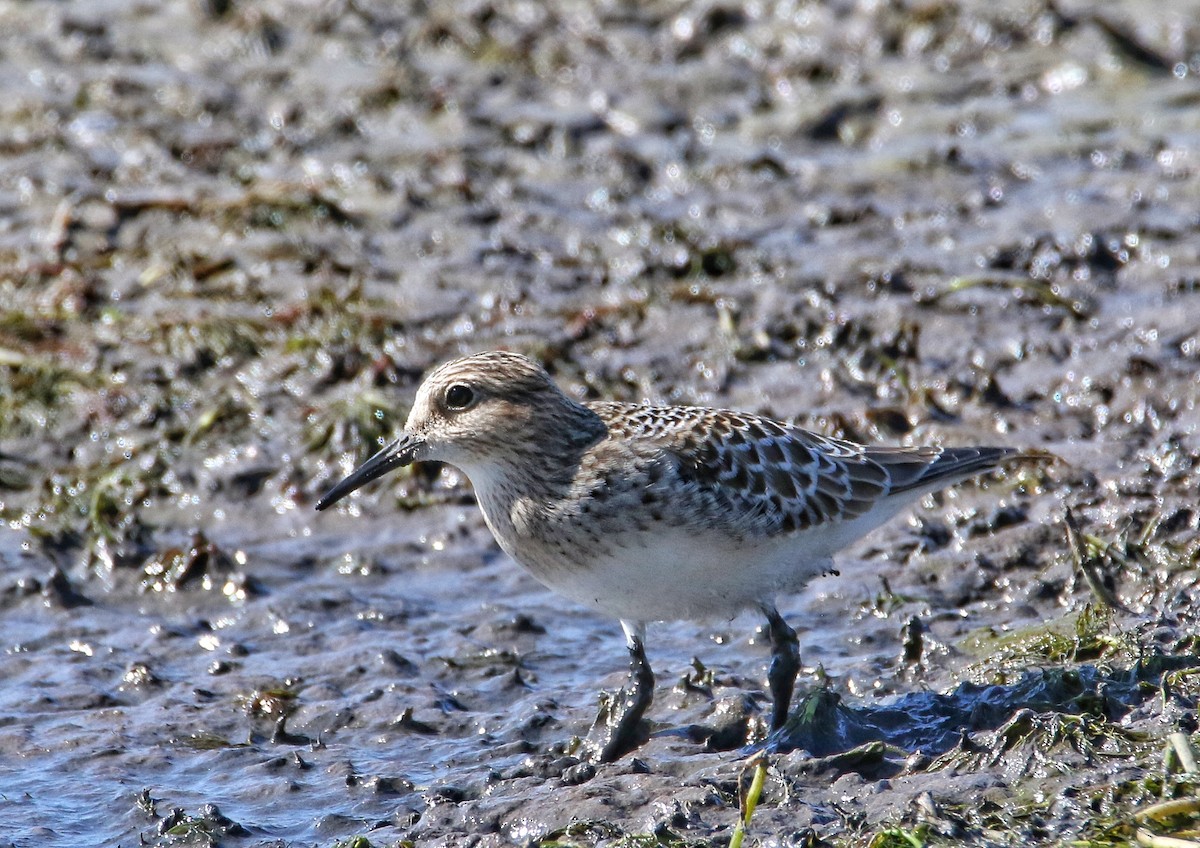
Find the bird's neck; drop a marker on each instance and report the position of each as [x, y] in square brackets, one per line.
[535, 474]
[552, 462]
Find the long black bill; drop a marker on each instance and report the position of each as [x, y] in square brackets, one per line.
[399, 453]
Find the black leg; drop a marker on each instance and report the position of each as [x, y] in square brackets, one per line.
[785, 665]
[618, 728]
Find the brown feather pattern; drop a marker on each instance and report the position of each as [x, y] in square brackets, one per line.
[653, 512]
[783, 479]
[541, 461]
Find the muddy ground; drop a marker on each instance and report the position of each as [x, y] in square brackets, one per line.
[234, 235]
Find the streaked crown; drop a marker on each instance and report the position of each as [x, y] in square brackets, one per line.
[490, 407]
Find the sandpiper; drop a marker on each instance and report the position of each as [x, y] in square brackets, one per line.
[651, 513]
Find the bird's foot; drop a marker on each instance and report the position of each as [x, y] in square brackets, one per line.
[619, 727]
[785, 665]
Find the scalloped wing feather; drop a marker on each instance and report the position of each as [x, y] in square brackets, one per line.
[774, 479]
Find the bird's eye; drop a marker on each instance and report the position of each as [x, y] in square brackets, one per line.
[459, 396]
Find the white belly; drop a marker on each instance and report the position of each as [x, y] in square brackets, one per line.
[624, 565]
[677, 575]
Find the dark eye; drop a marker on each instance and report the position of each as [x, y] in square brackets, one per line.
[459, 396]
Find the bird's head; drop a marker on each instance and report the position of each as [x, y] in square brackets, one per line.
[476, 413]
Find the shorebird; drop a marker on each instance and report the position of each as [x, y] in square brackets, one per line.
[651, 513]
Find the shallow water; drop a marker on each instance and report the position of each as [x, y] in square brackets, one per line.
[234, 237]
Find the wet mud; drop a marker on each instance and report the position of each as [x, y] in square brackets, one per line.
[236, 234]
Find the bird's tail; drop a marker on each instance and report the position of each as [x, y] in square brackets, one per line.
[928, 469]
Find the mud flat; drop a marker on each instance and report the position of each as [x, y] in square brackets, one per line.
[236, 234]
